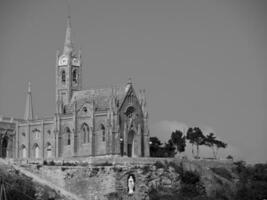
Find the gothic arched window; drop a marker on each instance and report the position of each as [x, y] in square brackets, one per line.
[102, 127]
[49, 150]
[75, 76]
[68, 135]
[63, 76]
[130, 110]
[36, 150]
[64, 109]
[85, 133]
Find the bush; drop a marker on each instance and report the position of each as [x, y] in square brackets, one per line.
[38, 166]
[94, 172]
[252, 183]
[159, 164]
[117, 169]
[189, 190]
[163, 193]
[52, 163]
[177, 168]
[146, 169]
[190, 177]
[112, 196]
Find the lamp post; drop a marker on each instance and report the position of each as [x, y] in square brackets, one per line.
[121, 146]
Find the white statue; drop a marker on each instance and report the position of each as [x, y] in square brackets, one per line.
[131, 182]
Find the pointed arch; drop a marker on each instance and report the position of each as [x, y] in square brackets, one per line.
[67, 134]
[49, 150]
[103, 130]
[23, 151]
[75, 75]
[4, 145]
[60, 141]
[85, 130]
[36, 151]
[63, 76]
[130, 143]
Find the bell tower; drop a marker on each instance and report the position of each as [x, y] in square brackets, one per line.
[68, 70]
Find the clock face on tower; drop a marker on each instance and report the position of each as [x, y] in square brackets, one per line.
[63, 60]
[75, 62]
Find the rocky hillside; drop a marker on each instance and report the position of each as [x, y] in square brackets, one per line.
[166, 179]
[162, 179]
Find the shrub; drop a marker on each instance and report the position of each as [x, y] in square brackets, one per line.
[189, 190]
[94, 172]
[146, 169]
[117, 169]
[159, 164]
[178, 168]
[112, 196]
[163, 193]
[38, 166]
[190, 177]
[52, 163]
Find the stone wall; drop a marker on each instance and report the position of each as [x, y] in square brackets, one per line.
[105, 178]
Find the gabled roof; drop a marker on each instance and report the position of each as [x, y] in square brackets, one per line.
[101, 97]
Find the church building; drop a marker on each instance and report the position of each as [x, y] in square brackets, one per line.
[87, 123]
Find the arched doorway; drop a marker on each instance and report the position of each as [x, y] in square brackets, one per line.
[23, 151]
[4, 146]
[49, 150]
[130, 144]
[36, 151]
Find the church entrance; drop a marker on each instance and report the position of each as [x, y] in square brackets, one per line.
[24, 151]
[130, 144]
[4, 147]
[36, 151]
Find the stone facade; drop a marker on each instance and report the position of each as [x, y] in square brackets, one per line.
[94, 122]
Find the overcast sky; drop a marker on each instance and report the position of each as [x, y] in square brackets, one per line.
[202, 62]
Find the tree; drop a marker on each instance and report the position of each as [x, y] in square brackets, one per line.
[219, 144]
[169, 149]
[210, 142]
[214, 144]
[190, 138]
[157, 150]
[230, 157]
[178, 141]
[195, 137]
[155, 147]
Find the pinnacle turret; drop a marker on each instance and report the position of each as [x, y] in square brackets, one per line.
[28, 115]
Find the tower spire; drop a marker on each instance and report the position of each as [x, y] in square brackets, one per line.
[28, 115]
[68, 44]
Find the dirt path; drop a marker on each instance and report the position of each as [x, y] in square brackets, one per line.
[35, 178]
